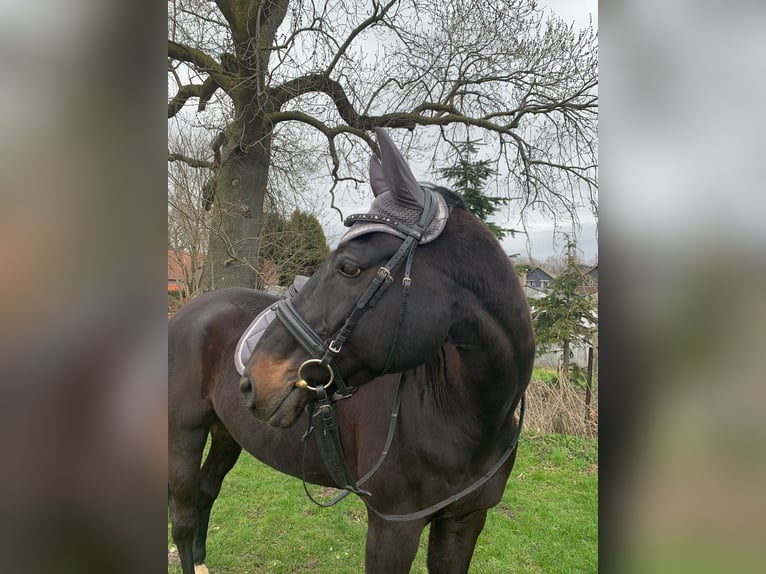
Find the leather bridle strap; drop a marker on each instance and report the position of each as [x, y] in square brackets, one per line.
[385, 275]
[325, 425]
[308, 339]
[299, 329]
[466, 491]
[344, 474]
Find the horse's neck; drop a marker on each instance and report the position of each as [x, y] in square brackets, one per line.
[488, 371]
[466, 385]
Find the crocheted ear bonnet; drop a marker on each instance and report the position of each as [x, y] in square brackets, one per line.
[398, 196]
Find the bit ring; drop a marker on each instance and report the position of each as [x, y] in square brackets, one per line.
[301, 383]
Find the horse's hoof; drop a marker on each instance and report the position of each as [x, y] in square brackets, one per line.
[200, 569]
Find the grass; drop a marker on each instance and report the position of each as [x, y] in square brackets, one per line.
[546, 523]
[577, 376]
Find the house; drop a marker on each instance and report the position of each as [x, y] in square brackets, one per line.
[539, 279]
[180, 270]
[533, 293]
[593, 274]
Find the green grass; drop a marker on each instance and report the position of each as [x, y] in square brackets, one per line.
[546, 523]
[545, 375]
[577, 376]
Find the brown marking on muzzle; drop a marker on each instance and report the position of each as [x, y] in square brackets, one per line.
[273, 399]
[272, 375]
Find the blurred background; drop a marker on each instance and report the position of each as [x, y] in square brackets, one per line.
[83, 315]
[682, 207]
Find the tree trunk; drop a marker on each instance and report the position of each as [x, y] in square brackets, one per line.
[238, 208]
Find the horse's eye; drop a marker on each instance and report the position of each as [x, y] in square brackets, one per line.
[350, 270]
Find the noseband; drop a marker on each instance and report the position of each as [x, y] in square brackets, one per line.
[323, 353]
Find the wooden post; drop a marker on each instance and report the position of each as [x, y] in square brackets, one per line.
[589, 385]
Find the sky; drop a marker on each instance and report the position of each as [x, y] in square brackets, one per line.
[544, 238]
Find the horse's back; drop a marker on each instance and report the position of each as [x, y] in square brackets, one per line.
[209, 309]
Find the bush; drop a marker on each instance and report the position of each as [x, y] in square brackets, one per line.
[555, 409]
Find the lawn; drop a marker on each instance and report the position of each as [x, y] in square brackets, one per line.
[546, 523]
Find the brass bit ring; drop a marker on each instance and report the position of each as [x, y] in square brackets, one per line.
[301, 383]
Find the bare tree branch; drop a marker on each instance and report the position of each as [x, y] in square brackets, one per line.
[378, 13]
[201, 62]
[202, 91]
[190, 161]
[503, 71]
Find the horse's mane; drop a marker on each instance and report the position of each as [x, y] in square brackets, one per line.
[475, 239]
[453, 198]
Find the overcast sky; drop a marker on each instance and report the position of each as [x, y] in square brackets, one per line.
[543, 238]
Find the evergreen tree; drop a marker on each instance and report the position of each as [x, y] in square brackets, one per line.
[306, 244]
[294, 246]
[566, 314]
[468, 179]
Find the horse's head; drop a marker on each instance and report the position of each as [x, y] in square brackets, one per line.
[381, 302]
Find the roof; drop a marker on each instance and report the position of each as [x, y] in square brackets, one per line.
[178, 261]
[548, 273]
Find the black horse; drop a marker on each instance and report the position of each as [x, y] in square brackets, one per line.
[454, 322]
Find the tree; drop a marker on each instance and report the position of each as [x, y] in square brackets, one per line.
[287, 246]
[188, 222]
[566, 314]
[296, 246]
[468, 178]
[292, 69]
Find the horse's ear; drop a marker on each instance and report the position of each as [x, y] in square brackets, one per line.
[377, 179]
[397, 173]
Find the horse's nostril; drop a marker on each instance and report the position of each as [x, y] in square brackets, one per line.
[244, 385]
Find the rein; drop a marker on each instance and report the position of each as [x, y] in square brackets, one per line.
[336, 459]
[469, 489]
[336, 464]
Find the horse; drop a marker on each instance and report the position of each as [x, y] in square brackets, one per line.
[414, 342]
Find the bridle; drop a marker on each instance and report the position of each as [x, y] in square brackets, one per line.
[323, 353]
[322, 418]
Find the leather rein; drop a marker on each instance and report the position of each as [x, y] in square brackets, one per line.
[322, 413]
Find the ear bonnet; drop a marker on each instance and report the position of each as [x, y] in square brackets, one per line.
[398, 197]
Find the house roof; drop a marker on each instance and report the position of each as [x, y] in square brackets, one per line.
[177, 261]
[548, 273]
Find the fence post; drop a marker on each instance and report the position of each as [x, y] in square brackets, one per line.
[588, 385]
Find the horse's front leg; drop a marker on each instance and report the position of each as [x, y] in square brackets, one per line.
[451, 542]
[391, 546]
